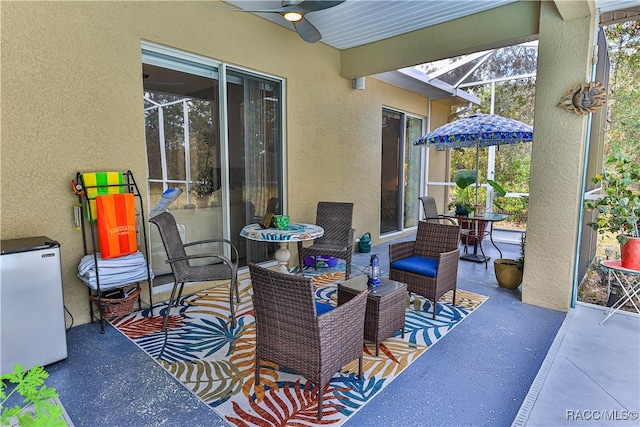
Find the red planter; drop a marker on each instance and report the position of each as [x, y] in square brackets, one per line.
[630, 254]
[469, 238]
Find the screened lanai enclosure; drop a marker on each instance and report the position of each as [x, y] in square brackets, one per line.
[504, 82]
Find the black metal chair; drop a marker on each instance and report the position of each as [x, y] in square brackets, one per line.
[314, 340]
[431, 211]
[336, 219]
[222, 268]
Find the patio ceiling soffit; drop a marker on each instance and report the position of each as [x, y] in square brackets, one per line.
[444, 40]
[418, 82]
[618, 16]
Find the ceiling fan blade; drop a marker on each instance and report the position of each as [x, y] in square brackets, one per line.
[312, 6]
[302, 7]
[304, 28]
[233, 9]
[307, 31]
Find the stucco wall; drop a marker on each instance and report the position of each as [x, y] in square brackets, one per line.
[557, 162]
[71, 101]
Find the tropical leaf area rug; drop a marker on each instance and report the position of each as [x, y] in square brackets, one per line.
[216, 362]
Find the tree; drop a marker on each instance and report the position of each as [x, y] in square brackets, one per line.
[623, 108]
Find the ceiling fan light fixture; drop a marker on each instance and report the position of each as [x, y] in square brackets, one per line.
[292, 16]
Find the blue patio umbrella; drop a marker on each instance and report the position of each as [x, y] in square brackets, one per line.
[478, 130]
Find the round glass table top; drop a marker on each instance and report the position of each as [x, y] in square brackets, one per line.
[294, 233]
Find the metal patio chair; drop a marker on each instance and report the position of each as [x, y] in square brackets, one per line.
[431, 211]
[222, 268]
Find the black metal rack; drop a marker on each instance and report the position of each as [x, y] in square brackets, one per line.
[90, 238]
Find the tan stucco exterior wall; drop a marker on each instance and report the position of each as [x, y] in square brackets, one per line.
[72, 101]
[557, 161]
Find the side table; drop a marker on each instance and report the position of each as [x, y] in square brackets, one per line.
[386, 306]
[629, 281]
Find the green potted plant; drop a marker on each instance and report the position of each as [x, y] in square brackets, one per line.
[461, 202]
[203, 186]
[509, 271]
[618, 206]
[464, 178]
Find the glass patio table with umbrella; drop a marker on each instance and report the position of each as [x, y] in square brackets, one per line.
[477, 130]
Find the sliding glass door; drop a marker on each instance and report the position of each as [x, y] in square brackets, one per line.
[255, 156]
[400, 171]
[222, 148]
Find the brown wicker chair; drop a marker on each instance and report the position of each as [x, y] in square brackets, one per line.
[336, 219]
[222, 268]
[431, 211]
[292, 334]
[428, 265]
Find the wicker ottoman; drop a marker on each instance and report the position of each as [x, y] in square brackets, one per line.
[386, 306]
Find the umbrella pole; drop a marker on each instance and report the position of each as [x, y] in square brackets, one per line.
[477, 166]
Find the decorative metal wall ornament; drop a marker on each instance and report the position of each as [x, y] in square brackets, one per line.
[584, 98]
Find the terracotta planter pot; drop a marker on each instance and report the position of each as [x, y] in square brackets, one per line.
[508, 274]
[202, 202]
[465, 224]
[630, 254]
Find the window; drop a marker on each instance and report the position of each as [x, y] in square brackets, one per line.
[400, 171]
[216, 133]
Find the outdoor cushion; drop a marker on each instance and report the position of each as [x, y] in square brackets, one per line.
[322, 308]
[418, 265]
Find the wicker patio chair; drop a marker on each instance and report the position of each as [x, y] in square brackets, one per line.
[336, 219]
[222, 268]
[291, 331]
[431, 211]
[429, 264]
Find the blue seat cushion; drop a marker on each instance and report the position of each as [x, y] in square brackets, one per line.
[418, 265]
[322, 308]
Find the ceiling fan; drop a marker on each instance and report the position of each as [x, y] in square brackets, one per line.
[294, 12]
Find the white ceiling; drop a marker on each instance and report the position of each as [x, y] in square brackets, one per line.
[358, 22]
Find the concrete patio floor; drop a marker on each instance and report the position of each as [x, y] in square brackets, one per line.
[509, 363]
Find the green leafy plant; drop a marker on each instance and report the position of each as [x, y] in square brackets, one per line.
[464, 179]
[203, 185]
[520, 260]
[461, 202]
[38, 407]
[499, 191]
[619, 207]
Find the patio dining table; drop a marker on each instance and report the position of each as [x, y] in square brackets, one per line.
[293, 233]
[475, 232]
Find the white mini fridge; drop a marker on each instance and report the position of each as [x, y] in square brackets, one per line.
[32, 320]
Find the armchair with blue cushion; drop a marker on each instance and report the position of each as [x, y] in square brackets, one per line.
[429, 264]
[293, 330]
